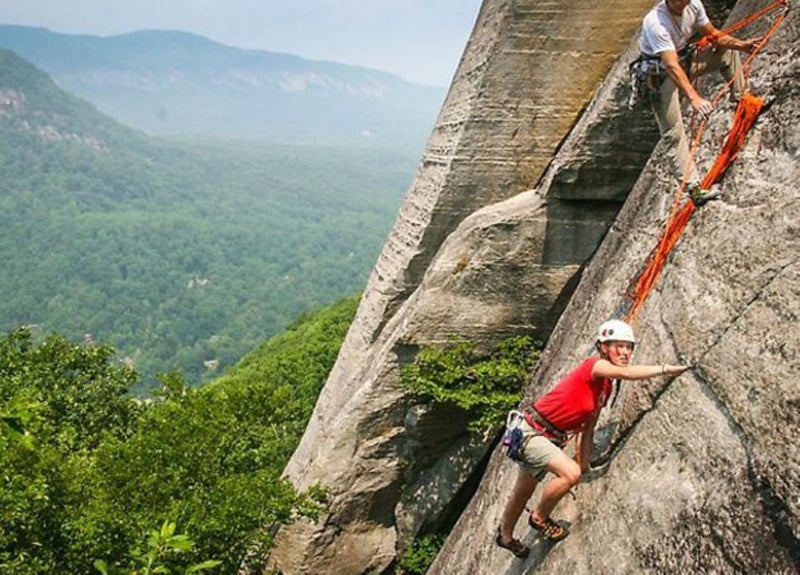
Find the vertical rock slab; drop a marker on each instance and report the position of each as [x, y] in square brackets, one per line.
[528, 70]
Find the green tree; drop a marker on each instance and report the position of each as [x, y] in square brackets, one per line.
[419, 557]
[161, 554]
[73, 399]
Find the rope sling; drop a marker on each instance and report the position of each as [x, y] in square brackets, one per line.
[747, 112]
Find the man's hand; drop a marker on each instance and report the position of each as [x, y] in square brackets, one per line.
[702, 107]
[751, 45]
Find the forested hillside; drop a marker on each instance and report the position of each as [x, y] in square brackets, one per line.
[167, 82]
[178, 255]
[89, 473]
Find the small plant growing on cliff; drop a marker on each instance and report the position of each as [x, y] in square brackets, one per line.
[419, 557]
[485, 386]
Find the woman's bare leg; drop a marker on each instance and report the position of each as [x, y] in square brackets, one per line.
[524, 487]
[568, 475]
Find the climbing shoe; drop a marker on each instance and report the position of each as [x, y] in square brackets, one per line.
[700, 195]
[514, 545]
[550, 530]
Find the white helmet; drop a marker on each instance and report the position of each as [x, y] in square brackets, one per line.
[615, 330]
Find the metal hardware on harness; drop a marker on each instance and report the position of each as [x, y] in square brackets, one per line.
[514, 438]
[646, 75]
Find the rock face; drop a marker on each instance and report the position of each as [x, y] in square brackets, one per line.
[700, 478]
[474, 256]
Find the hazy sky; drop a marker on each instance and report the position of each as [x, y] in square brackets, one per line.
[421, 40]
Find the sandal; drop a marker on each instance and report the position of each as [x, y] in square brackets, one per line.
[550, 530]
[515, 545]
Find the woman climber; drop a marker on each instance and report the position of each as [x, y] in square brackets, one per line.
[571, 407]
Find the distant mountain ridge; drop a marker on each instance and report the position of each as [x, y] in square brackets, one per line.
[167, 82]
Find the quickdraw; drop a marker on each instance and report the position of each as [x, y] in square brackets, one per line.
[514, 438]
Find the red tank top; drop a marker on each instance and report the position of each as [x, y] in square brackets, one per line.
[574, 399]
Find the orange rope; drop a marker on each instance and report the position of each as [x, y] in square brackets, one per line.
[746, 114]
[746, 65]
[657, 259]
[710, 39]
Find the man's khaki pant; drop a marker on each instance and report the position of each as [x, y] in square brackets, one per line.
[667, 108]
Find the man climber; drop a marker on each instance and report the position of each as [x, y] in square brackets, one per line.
[571, 407]
[667, 57]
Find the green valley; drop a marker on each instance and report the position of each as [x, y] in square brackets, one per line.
[180, 254]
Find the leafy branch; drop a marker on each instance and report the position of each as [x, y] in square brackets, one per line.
[161, 548]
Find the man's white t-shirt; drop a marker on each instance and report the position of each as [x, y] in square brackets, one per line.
[662, 30]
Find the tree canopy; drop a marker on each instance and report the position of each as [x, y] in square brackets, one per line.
[92, 474]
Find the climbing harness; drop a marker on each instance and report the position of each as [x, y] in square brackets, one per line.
[647, 73]
[542, 426]
[516, 437]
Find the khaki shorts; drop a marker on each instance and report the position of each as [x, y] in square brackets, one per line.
[537, 451]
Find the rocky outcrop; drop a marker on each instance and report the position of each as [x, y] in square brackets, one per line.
[496, 135]
[526, 74]
[474, 256]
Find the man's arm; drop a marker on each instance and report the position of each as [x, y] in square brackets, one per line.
[729, 42]
[672, 65]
